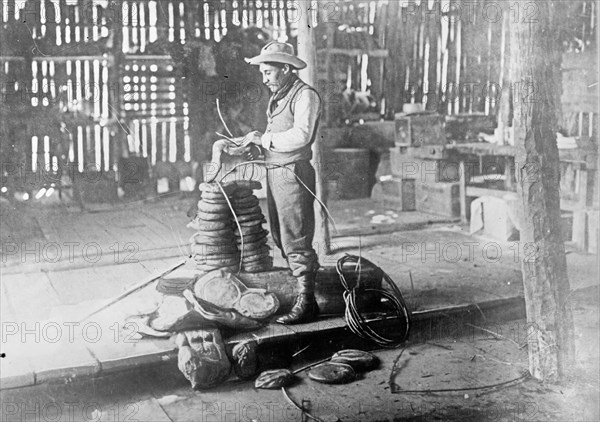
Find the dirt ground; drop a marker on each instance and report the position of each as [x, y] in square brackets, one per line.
[498, 360]
[482, 371]
[464, 362]
[485, 375]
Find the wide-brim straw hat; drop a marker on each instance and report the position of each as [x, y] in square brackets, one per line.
[278, 52]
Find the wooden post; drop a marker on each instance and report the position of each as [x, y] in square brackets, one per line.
[509, 172]
[463, 190]
[580, 226]
[393, 64]
[434, 29]
[504, 106]
[307, 51]
[535, 65]
[119, 139]
[331, 73]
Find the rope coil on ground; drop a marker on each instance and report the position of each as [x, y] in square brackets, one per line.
[356, 322]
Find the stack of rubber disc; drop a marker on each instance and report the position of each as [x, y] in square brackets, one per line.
[213, 244]
[256, 254]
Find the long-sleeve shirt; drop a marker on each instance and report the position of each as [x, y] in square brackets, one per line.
[305, 108]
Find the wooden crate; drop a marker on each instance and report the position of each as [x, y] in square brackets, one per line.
[411, 166]
[592, 230]
[420, 129]
[440, 198]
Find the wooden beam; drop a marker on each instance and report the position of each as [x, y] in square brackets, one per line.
[353, 52]
[307, 51]
[329, 291]
[14, 58]
[463, 191]
[331, 72]
[477, 192]
[536, 61]
[58, 59]
[504, 106]
[159, 57]
[119, 139]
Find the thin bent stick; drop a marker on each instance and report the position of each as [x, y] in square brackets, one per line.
[131, 290]
[237, 223]
[229, 139]
[225, 136]
[223, 120]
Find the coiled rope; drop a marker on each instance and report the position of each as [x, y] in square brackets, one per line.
[272, 166]
[356, 322]
[267, 165]
[237, 223]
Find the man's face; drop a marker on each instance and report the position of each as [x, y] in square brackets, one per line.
[273, 76]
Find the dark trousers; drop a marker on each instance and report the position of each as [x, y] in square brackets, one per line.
[292, 215]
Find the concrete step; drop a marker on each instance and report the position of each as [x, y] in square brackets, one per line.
[103, 347]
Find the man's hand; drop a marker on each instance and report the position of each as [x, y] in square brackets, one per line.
[243, 145]
[233, 149]
[253, 137]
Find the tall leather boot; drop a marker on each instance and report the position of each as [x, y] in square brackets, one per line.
[305, 308]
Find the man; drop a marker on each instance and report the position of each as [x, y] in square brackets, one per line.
[292, 119]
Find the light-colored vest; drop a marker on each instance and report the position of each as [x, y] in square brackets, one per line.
[282, 119]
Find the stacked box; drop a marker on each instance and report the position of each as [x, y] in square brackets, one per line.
[441, 198]
[493, 215]
[420, 129]
[585, 230]
[395, 193]
[410, 164]
[428, 152]
[592, 246]
[424, 176]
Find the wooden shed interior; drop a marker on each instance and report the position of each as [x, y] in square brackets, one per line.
[126, 91]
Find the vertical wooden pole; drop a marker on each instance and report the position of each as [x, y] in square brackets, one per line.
[433, 31]
[392, 64]
[580, 229]
[503, 107]
[375, 65]
[115, 86]
[330, 62]
[509, 172]
[535, 62]
[307, 51]
[463, 191]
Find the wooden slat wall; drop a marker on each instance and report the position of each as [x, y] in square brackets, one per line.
[156, 122]
[78, 85]
[435, 59]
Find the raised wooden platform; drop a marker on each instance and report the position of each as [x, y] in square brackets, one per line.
[280, 281]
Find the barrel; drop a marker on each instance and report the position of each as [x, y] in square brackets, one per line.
[349, 168]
